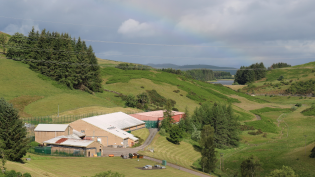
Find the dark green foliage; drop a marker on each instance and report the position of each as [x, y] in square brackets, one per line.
[174, 109]
[298, 104]
[131, 66]
[284, 172]
[13, 173]
[140, 142]
[222, 119]
[309, 111]
[130, 101]
[59, 57]
[302, 87]
[167, 118]
[158, 100]
[109, 174]
[279, 65]
[208, 153]
[222, 75]
[246, 127]
[200, 74]
[280, 78]
[176, 134]
[12, 132]
[249, 167]
[250, 74]
[3, 41]
[258, 132]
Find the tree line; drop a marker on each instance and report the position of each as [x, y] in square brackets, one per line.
[58, 56]
[279, 65]
[250, 74]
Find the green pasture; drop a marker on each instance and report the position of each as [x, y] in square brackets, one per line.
[184, 154]
[82, 166]
[142, 133]
[286, 147]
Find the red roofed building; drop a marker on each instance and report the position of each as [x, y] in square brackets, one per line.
[157, 116]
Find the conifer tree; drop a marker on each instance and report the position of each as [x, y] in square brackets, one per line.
[168, 120]
[208, 153]
[232, 127]
[221, 131]
[12, 132]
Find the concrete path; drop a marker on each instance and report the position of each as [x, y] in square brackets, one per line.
[177, 167]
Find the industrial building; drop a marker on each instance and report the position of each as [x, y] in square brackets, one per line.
[45, 132]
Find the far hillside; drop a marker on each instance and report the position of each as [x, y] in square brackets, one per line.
[295, 80]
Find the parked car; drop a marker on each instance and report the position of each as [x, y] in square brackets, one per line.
[148, 167]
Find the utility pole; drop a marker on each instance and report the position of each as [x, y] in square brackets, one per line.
[58, 110]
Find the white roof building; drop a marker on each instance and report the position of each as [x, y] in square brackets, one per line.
[69, 142]
[51, 127]
[118, 119]
[114, 123]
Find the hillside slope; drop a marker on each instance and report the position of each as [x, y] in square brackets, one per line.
[272, 84]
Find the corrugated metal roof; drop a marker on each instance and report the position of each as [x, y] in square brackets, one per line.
[51, 127]
[118, 119]
[69, 142]
[77, 133]
[114, 122]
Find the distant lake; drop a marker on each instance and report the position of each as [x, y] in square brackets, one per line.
[223, 82]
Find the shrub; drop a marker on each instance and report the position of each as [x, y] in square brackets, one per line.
[289, 97]
[280, 78]
[142, 87]
[176, 91]
[174, 109]
[246, 127]
[109, 174]
[293, 108]
[162, 132]
[298, 104]
[265, 135]
[258, 132]
[181, 94]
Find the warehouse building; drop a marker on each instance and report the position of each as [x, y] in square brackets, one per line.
[75, 147]
[45, 132]
[109, 129]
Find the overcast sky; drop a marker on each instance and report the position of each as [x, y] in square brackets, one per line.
[215, 32]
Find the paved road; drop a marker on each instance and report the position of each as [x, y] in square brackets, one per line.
[177, 167]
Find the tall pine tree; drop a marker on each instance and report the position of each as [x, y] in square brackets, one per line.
[208, 153]
[12, 132]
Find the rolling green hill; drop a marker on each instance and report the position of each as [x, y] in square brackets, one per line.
[37, 95]
[272, 84]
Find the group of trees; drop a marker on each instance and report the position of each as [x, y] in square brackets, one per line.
[250, 74]
[58, 56]
[200, 74]
[131, 66]
[223, 121]
[279, 65]
[143, 100]
[222, 75]
[302, 87]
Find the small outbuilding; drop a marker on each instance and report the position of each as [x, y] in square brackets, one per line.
[75, 147]
[44, 132]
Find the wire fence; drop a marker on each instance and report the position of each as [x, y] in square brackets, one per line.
[56, 151]
[32, 121]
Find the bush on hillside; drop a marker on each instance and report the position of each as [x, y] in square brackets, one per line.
[246, 127]
[258, 132]
[109, 174]
[298, 104]
[162, 132]
[302, 87]
[309, 111]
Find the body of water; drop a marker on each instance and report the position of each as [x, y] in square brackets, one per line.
[224, 82]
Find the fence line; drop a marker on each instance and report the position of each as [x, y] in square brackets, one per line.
[61, 119]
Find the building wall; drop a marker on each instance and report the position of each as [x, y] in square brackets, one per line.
[41, 136]
[135, 127]
[93, 133]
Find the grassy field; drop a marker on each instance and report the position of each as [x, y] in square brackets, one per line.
[184, 154]
[61, 166]
[142, 133]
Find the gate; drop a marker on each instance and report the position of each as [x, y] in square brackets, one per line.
[151, 124]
